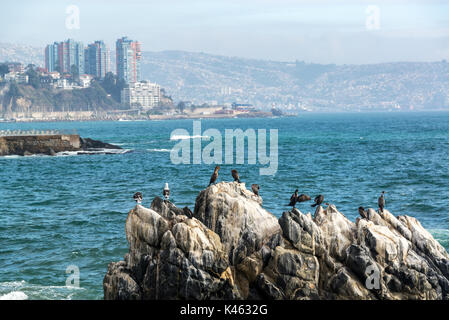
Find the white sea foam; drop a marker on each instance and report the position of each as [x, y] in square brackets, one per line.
[21, 290]
[23, 157]
[71, 153]
[185, 137]
[102, 151]
[14, 295]
[159, 150]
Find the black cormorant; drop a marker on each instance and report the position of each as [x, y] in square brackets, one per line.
[381, 201]
[294, 199]
[255, 188]
[363, 213]
[318, 200]
[235, 175]
[214, 176]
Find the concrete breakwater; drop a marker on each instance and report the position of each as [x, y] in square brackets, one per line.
[24, 144]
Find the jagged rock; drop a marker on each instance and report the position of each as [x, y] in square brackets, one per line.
[232, 248]
[236, 215]
[171, 257]
[244, 227]
[88, 144]
[119, 283]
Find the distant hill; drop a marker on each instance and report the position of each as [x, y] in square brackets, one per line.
[201, 77]
[296, 85]
[21, 53]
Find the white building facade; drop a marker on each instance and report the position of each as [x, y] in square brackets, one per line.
[145, 95]
[16, 77]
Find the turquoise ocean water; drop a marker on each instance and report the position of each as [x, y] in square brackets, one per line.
[71, 210]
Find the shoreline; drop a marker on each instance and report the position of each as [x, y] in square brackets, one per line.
[150, 118]
[255, 115]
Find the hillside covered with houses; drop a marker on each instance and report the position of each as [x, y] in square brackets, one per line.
[28, 89]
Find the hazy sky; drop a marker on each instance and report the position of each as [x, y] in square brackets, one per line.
[313, 31]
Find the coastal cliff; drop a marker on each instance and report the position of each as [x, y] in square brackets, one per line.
[230, 247]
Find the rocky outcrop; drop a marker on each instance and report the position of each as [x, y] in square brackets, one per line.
[171, 256]
[38, 144]
[26, 145]
[232, 248]
[89, 144]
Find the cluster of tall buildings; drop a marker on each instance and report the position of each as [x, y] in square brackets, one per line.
[128, 56]
[71, 56]
[65, 57]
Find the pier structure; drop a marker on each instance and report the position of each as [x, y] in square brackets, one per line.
[20, 142]
[33, 132]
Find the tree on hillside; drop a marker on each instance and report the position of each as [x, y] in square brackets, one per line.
[33, 77]
[113, 86]
[74, 72]
[181, 106]
[14, 91]
[3, 69]
[30, 67]
[13, 94]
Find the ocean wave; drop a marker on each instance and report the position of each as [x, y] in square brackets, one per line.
[159, 150]
[102, 151]
[21, 290]
[70, 153]
[185, 137]
[24, 157]
[14, 295]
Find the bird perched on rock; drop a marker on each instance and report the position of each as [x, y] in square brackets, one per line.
[255, 188]
[166, 192]
[294, 199]
[318, 200]
[363, 213]
[381, 201]
[235, 175]
[214, 176]
[138, 197]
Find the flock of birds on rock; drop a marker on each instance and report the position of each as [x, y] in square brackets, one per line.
[294, 199]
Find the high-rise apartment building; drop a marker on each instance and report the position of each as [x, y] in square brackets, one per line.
[128, 57]
[97, 59]
[51, 57]
[61, 56]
